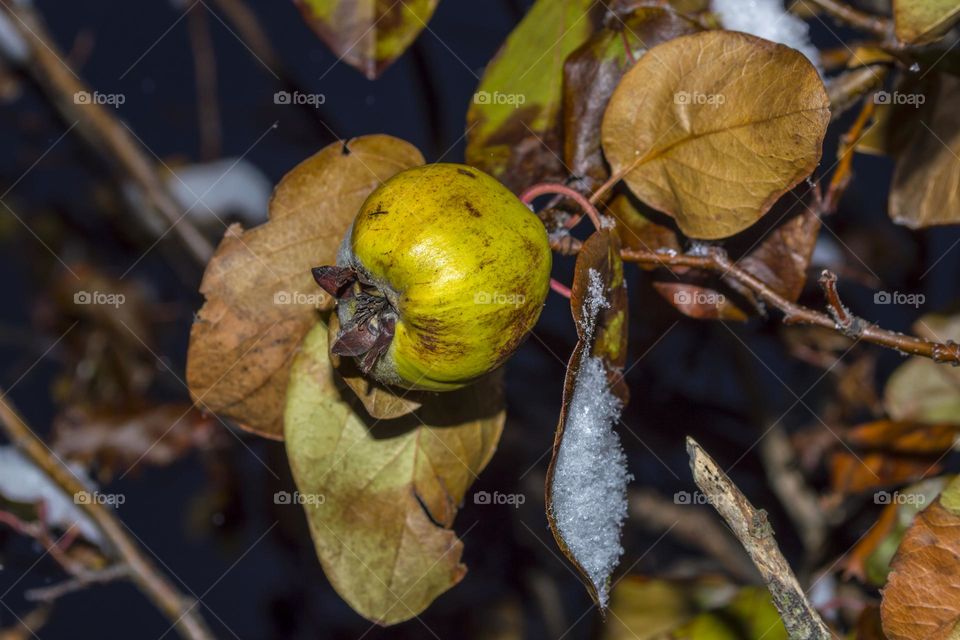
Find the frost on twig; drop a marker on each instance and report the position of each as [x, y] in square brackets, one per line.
[754, 532]
[587, 480]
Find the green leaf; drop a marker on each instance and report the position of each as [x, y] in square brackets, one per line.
[513, 124]
[381, 495]
[749, 616]
[367, 34]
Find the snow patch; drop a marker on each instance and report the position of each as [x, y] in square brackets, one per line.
[227, 188]
[767, 19]
[21, 481]
[12, 45]
[590, 479]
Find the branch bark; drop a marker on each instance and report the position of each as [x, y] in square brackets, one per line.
[716, 260]
[877, 25]
[178, 608]
[101, 129]
[751, 527]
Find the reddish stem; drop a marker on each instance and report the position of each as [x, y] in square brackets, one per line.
[560, 288]
[545, 188]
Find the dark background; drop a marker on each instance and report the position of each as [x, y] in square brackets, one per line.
[725, 384]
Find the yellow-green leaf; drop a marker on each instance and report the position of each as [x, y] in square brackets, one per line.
[712, 128]
[920, 21]
[381, 495]
[368, 34]
[513, 124]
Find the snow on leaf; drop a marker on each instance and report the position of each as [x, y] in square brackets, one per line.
[767, 19]
[590, 477]
[587, 479]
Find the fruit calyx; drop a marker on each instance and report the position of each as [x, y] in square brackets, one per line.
[367, 333]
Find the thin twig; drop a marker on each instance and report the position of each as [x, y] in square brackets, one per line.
[751, 527]
[693, 526]
[844, 172]
[716, 260]
[101, 129]
[537, 190]
[877, 25]
[205, 78]
[787, 481]
[178, 608]
[77, 583]
[559, 287]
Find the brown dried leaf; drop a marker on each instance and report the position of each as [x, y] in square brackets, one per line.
[602, 336]
[696, 301]
[381, 401]
[922, 598]
[712, 128]
[924, 191]
[855, 473]
[909, 438]
[381, 495]
[782, 259]
[593, 71]
[260, 295]
[367, 34]
[637, 231]
[112, 439]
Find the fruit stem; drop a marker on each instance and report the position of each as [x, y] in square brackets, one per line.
[560, 288]
[544, 188]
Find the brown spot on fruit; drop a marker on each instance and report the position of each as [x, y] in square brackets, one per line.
[464, 172]
[472, 209]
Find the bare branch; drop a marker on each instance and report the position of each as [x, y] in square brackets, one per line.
[877, 25]
[102, 130]
[717, 261]
[178, 608]
[751, 527]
